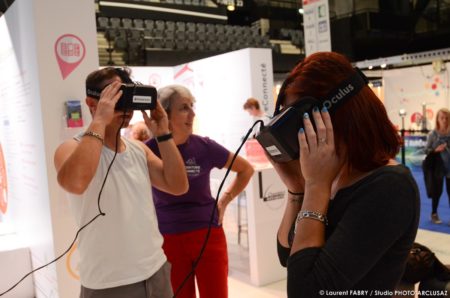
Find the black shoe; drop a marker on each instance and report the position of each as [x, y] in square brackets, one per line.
[435, 218]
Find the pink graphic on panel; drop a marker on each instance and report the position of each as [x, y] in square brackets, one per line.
[154, 80]
[432, 87]
[185, 76]
[185, 69]
[69, 51]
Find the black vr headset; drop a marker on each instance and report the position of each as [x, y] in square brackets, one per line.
[135, 96]
[279, 136]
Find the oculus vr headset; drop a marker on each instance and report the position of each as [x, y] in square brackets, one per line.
[135, 96]
[279, 136]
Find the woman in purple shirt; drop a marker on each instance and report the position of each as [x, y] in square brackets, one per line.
[183, 220]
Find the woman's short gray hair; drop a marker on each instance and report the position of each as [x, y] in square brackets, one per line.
[167, 94]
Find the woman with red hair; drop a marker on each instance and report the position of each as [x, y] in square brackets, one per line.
[352, 212]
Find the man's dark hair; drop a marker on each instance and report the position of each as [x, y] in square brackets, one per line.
[98, 78]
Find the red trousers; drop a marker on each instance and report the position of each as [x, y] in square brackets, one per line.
[211, 273]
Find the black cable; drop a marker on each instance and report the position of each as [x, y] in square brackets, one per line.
[194, 265]
[100, 213]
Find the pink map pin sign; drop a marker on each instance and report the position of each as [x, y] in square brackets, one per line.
[69, 51]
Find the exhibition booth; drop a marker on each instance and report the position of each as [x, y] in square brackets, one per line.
[45, 56]
[43, 67]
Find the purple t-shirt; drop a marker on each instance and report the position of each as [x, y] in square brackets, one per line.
[191, 211]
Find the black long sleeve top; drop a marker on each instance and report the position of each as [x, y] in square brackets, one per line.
[372, 225]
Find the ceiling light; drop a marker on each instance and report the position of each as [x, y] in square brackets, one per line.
[370, 67]
[231, 7]
[383, 65]
[301, 11]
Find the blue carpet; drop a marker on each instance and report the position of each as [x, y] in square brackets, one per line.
[425, 206]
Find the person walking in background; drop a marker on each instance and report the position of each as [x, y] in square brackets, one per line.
[352, 211]
[253, 108]
[121, 252]
[183, 220]
[438, 147]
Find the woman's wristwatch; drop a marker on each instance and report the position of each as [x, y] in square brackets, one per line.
[163, 138]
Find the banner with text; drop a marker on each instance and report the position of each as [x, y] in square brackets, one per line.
[316, 25]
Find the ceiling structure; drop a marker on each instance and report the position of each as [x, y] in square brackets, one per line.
[361, 29]
[375, 29]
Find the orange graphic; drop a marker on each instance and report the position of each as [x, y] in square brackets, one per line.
[70, 263]
[3, 184]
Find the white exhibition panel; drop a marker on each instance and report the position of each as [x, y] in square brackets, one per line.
[266, 198]
[15, 259]
[21, 136]
[316, 25]
[154, 76]
[48, 47]
[61, 81]
[221, 85]
[409, 88]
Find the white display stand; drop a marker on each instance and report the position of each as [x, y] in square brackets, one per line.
[48, 47]
[15, 259]
[266, 198]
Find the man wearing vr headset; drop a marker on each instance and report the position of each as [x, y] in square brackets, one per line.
[352, 211]
[121, 252]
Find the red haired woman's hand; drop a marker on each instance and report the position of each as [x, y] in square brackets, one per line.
[318, 160]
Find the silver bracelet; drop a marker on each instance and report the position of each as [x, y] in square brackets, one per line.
[312, 215]
[98, 136]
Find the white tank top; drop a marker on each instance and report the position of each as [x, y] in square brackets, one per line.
[125, 245]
